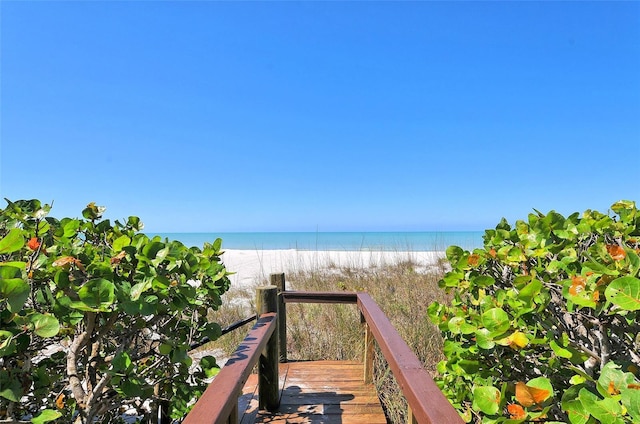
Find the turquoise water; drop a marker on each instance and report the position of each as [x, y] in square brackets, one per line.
[391, 241]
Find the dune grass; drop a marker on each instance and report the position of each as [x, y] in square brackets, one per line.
[334, 332]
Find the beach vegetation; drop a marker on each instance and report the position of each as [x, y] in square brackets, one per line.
[543, 324]
[96, 318]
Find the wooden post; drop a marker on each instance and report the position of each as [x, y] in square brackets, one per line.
[368, 352]
[278, 281]
[233, 417]
[411, 419]
[268, 380]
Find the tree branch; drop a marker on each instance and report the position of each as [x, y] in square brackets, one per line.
[77, 345]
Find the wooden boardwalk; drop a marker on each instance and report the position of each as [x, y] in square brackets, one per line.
[322, 391]
[316, 392]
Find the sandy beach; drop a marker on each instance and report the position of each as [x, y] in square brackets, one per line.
[252, 267]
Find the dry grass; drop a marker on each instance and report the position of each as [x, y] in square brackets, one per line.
[334, 332]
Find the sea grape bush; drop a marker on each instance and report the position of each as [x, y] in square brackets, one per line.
[96, 317]
[543, 325]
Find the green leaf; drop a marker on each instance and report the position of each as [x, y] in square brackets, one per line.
[530, 291]
[458, 325]
[624, 292]
[634, 261]
[626, 209]
[12, 242]
[16, 291]
[577, 379]
[13, 264]
[46, 416]
[484, 340]
[607, 411]
[454, 253]
[135, 223]
[45, 325]
[599, 268]
[70, 227]
[7, 344]
[152, 249]
[140, 288]
[11, 390]
[209, 366]
[121, 242]
[93, 212]
[11, 271]
[131, 387]
[631, 400]
[121, 362]
[468, 366]
[212, 330]
[483, 281]
[180, 355]
[559, 350]
[217, 244]
[576, 411]
[486, 399]
[165, 349]
[96, 295]
[496, 321]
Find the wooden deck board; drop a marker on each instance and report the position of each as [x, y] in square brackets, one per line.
[316, 392]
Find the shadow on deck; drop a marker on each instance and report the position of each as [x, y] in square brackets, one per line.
[315, 392]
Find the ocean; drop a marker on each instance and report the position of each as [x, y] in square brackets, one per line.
[345, 241]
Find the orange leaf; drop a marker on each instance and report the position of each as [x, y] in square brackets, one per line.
[578, 284]
[60, 401]
[528, 396]
[612, 389]
[616, 252]
[473, 260]
[33, 243]
[66, 261]
[116, 259]
[516, 411]
[492, 252]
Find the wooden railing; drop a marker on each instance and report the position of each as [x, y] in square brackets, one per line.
[219, 402]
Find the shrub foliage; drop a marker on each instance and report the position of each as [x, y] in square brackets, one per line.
[543, 325]
[97, 317]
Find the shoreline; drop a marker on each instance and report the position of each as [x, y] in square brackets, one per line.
[253, 267]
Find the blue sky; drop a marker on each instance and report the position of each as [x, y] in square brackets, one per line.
[330, 116]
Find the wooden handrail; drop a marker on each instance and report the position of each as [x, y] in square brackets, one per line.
[428, 404]
[220, 398]
[319, 297]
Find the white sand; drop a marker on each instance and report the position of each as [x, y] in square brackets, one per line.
[253, 267]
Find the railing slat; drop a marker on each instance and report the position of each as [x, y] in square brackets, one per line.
[319, 297]
[218, 401]
[425, 399]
